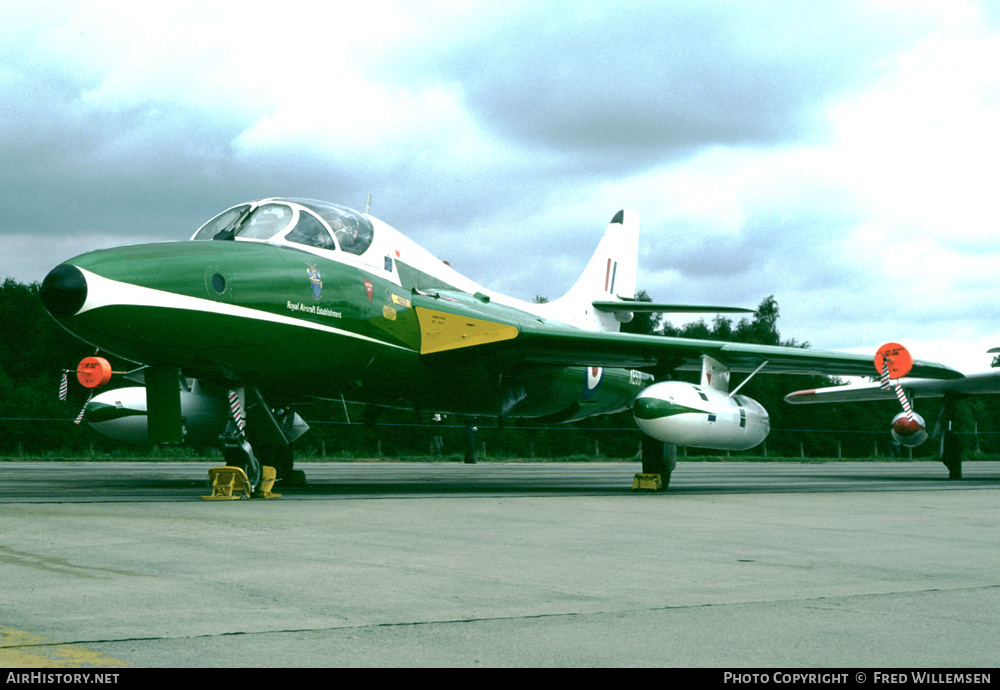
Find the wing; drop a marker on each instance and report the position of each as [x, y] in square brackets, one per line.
[458, 322]
[985, 383]
[569, 347]
[626, 306]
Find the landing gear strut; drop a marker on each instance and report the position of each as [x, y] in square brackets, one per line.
[238, 453]
[471, 430]
[951, 449]
[951, 454]
[271, 432]
[657, 459]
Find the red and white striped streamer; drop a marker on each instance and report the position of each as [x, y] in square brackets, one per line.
[237, 409]
[887, 382]
[83, 410]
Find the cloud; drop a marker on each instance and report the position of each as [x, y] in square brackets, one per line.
[928, 139]
[830, 154]
[646, 82]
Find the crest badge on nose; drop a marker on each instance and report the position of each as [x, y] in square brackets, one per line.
[317, 281]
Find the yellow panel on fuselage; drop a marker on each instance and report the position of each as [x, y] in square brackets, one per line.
[441, 331]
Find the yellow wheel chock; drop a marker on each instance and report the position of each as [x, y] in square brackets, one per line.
[231, 484]
[267, 477]
[647, 482]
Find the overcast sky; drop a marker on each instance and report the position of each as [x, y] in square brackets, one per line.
[842, 156]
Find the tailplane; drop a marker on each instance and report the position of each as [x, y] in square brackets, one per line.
[610, 275]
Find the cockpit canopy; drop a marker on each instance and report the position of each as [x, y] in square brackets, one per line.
[298, 221]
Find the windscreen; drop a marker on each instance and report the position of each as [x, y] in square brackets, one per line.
[265, 222]
[227, 221]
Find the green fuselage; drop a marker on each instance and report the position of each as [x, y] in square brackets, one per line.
[296, 325]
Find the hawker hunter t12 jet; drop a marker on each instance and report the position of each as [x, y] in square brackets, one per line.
[281, 301]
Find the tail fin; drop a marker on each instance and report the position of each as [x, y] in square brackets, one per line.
[610, 275]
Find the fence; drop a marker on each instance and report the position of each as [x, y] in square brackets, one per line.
[37, 436]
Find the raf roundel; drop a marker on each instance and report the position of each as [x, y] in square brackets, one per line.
[594, 377]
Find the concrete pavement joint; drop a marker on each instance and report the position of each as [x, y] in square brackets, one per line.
[487, 619]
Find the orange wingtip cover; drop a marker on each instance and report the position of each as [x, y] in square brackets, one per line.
[93, 372]
[897, 357]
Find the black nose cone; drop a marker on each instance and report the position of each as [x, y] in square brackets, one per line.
[64, 291]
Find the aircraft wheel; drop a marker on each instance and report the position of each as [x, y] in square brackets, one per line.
[280, 457]
[254, 472]
[951, 455]
[954, 467]
[658, 458]
[244, 459]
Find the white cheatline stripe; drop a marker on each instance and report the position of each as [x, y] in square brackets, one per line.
[104, 292]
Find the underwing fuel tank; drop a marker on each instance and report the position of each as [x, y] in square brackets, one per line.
[686, 414]
[121, 414]
[909, 432]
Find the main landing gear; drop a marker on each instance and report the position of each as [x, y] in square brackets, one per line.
[252, 469]
[658, 461]
[471, 432]
[951, 448]
[237, 452]
[243, 476]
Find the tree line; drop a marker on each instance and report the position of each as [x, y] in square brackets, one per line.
[35, 350]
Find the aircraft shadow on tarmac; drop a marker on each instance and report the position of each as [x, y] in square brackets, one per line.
[183, 482]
